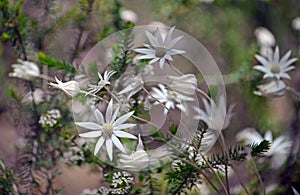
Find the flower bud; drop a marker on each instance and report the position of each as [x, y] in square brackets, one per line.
[274, 88]
[71, 87]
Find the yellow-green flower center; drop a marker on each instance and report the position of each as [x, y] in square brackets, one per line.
[275, 68]
[160, 52]
[107, 129]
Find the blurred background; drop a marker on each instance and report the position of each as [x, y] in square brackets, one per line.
[233, 31]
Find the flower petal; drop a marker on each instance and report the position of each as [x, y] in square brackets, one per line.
[99, 145]
[91, 134]
[124, 134]
[109, 148]
[123, 118]
[124, 126]
[109, 110]
[117, 143]
[99, 116]
[89, 125]
[152, 39]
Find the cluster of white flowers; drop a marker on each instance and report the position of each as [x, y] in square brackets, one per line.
[50, 118]
[121, 182]
[96, 191]
[73, 155]
[25, 70]
[274, 69]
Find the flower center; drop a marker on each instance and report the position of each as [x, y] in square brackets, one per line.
[107, 129]
[275, 68]
[160, 52]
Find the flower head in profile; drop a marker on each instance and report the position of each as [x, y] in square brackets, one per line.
[160, 49]
[273, 88]
[279, 147]
[71, 87]
[273, 66]
[137, 160]
[215, 115]
[25, 70]
[171, 99]
[93, 89]
[108, 130]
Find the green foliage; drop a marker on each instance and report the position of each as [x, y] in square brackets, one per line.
[54, 63]
[7, 180]
[122, 53]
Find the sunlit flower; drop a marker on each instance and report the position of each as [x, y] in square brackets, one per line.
[185, 84]
[70, 87]
[279, 147]
[108, 130]
[93, 89]
[25, 70]
[128, 15]
[273, 88]
[137, 160]
[273, 66]
[215, 115]
[160, 49]
[264, 37]
[171, 99]
[134, 85]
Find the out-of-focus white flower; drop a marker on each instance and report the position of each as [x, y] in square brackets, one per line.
[213, 115]
[129, 15]
[93, 89]
[279, 148]
[296, 23]
[50, 118]
[121, 182]
[185, 84]
[134, 85]
[73, 155]
[108, 130]
[273, 88]
[70, 87]
[273, 66]
[160, 49]
[137, 160]
[25, 70]
[169, 98]
[264, 37]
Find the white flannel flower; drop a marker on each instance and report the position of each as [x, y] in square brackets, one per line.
[137, 160]
[185, 84]
[213, 115]
[273, 88]
[160, 49]
[108, 130]
[273, 66]
[170, 99]
[279, 147]
[93, 89]
[129, 15]
[70, 87]
[25, 70]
